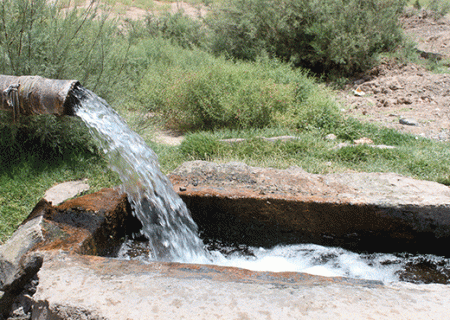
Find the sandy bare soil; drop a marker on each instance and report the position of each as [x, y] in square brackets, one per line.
[407, 97]
[194, 12]
[136, 13]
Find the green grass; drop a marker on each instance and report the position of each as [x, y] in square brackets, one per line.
[26, 177]
[419, 158]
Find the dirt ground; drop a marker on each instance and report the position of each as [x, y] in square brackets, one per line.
[407, 97]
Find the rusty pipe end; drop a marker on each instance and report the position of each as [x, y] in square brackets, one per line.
[28, 95]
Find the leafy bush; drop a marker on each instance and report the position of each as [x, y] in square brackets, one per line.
[178, 27]
[196, 91]
[44, 134]
[439, 8]
[39, 38]
[324, 35]
[223, 97]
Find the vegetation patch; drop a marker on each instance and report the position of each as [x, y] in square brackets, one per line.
[326, 35]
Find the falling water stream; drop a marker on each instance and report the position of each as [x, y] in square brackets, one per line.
[173, 235]
[166, 220]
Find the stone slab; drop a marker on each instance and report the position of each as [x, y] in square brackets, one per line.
[82, 287]
[377, 188]
[358, 211]
[92, 224]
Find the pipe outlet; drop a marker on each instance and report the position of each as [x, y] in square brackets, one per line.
[28, 95]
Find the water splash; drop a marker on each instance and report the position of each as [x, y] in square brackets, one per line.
[318, 260]
[166, 220]
[315, 259]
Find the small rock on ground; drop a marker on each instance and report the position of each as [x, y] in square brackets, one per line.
[66, 190]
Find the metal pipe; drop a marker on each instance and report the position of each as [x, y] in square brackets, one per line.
[28, 95]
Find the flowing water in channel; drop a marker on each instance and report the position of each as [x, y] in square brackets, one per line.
[173, 235]
[319, 260]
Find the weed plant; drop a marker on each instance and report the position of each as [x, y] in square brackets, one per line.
[39, 38]
[193, 90]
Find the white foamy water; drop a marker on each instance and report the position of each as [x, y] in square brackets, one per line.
[317, 260]
[307, 258]
[166, 221]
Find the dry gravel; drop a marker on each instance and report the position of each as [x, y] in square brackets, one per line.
[407, 97]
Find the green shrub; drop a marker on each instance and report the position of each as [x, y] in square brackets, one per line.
[323, 35]
[242, 28]
[44, 134]
[37, 37]
[196, 91]
[223, 98]
[178, 27]
[439, 8]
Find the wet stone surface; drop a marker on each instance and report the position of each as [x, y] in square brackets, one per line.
[255, 206]
[373, 212]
